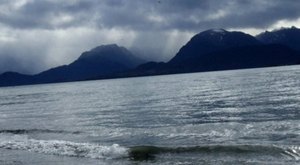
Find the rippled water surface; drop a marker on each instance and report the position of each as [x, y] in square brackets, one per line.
[229, 117]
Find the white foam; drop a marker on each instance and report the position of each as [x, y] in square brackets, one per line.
[293, 152]
[66, 148]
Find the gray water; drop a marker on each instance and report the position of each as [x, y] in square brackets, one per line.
[230, 117]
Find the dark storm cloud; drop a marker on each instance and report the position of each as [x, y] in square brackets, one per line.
[197, 15]
[259, 14]
[44, 14]
[150, 14]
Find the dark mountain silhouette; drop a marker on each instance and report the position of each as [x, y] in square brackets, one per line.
[285, 36]
[211, 50]
[211, 41]
[219, 49]
[100, 61]
[241, 57]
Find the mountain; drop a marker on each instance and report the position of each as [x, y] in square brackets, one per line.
[253, 56]
[211, 41]
[218, 49]
[285, 36]
[100, 61]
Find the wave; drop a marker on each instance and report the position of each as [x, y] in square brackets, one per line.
[149, 152]
[139, 153]
[66, 148]
[29, 131]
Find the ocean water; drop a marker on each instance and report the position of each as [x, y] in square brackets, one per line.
[229, 117]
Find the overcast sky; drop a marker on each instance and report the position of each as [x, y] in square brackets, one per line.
[38, 34]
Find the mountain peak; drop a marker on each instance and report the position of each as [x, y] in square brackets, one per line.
[211, 41]
[106, 51]
[110, 53]
[213, 33]
[221, 36]
[286, 28]
[100, 61]
[281, 29]
[216, 31]
[286, 36]
[105, 47]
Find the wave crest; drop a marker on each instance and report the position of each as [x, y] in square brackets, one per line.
[139, 153]
[65, 148]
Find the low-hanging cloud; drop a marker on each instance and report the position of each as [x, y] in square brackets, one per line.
[39, 34]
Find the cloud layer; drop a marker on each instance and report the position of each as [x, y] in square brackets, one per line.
[38, 34]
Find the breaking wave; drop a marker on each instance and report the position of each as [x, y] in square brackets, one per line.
[66, 148]
[115, 151]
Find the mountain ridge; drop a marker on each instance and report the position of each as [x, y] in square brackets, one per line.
[285, 36]
[210, 50]
[99, 61]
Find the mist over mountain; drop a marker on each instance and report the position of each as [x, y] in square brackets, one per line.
[100, 61]
[211, 50]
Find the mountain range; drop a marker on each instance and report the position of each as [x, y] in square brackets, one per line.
[218, 49]
[210, 50]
